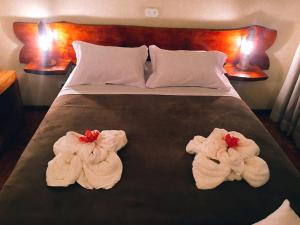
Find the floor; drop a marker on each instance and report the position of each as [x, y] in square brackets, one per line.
[33, 117]
[285, 142]
[8, 160]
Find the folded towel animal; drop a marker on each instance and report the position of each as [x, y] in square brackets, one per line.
[89, 160]
[225, 156]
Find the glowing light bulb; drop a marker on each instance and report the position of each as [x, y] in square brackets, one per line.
[45, 42]
[247, 46]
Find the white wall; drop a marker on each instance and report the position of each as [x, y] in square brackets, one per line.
[277, 14]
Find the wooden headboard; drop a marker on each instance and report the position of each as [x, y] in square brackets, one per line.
[225, 40]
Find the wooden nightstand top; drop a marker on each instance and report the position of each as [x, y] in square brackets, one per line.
[254, 73]
[60, 68]
[7, 78]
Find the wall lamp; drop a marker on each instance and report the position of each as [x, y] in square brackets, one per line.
[246, 48]
[45, 41]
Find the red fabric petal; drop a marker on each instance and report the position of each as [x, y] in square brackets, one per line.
[231, 141]
[90, 136]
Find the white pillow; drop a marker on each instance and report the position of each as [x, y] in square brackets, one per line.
[108, 65]
[186, 68]
[284, 215]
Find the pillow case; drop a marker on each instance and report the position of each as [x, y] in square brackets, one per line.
[284, 215]
[108, 65]
[186, 68]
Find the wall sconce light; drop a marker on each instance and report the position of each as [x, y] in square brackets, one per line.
[246, 48]
[45, 42]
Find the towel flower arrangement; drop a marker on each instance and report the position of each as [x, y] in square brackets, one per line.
[226, 156]
[90, 160]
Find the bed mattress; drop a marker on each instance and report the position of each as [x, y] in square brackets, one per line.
[122, 89]
[157, 186]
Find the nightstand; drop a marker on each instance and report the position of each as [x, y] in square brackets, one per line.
[61, 67]
[253, 73]
[11, 113]
[7, 78]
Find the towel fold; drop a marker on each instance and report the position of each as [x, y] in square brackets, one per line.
[208, 173]
[92, 163]
[101, 175]
[256, 171]
[63, 170]
[234, 162]
[116, 139]
[217, 161]
[246, 147]
[68, 144]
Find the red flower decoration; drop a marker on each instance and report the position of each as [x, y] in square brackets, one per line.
[231, 141]
[89, 136]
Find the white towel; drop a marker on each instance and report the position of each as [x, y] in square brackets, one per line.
[216, 162]
[284, 215]
[93, 164]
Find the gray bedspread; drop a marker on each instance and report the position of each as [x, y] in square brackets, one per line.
[157, 186]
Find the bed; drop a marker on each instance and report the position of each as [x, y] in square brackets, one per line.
[157, 186]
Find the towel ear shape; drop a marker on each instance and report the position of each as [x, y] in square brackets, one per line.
[214, 143]
[114, 140]
[218, 133]
[256, 171]
[194, 144]
[67, 144]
